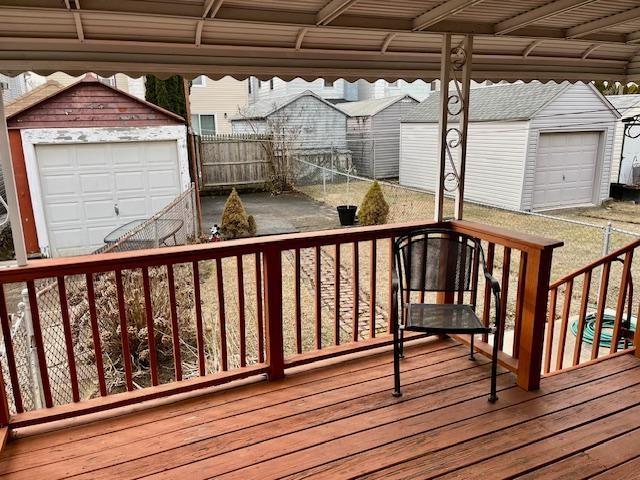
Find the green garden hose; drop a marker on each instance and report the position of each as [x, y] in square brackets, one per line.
[608, 322]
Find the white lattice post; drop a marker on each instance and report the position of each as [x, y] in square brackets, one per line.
[455, 69]
[445, 65]
[11, 190]
[464, 124]
[32, 360]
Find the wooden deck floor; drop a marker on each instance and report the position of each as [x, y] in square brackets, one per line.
[340, 421]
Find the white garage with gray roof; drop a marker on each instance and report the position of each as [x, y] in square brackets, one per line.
[530, 146]
[373, 133]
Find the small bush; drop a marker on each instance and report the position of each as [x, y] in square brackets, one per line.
[253, 227]
[235, 223]
[374, 209]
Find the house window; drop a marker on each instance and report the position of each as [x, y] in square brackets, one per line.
[204, 124]
[199, 81]
[328, 83]
[111, 81]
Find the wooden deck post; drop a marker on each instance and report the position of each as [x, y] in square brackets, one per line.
[534, 314]
[4, 404]
[273, 309]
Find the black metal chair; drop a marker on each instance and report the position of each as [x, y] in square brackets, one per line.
[446, 262]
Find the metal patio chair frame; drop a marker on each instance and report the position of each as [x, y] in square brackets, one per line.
[448, 271]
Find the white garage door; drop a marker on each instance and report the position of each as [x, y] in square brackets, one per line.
[88, 190]
[565, 169]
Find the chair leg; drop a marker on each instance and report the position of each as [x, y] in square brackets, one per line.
[494, 371]
[471, 355]
[401, 351]
[396, 363]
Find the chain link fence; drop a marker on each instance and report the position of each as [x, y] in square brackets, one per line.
[176, 224]
[583, 241]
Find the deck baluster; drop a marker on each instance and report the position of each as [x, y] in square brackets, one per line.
[68, 338]
[124, 331]
[151, 337]
[175, 328]
[8, 348]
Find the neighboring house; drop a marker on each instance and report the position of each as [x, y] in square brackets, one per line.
[308, 121]
[124, 83]
[13, 87]
[261, 91]
[214, 102]
[381, 88]
[628, 106]
[338, 91]
[89, 158]
[373, 133]
[530, 146]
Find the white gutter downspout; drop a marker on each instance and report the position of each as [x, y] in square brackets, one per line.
[11, 191]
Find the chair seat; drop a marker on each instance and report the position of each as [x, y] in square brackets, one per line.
[444, 318]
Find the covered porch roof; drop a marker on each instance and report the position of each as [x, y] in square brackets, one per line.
[516, 40]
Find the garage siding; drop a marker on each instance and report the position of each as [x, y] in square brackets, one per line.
[576, 109]
[386, 133]
[495, 169]
[309, 123]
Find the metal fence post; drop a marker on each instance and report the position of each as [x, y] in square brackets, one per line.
[373, 148]
[32, 357]
[324, 181]
[156, 236]
[196, 233]
[606, 240]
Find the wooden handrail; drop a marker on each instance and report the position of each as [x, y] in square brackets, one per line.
[269, 253]
[596, 263]
[565, 286]
[501, 236]
[188, 253]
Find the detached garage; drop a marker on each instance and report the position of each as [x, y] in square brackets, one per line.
[88, 159]
[530, 146]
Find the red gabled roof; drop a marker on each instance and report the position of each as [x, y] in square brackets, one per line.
[90, 103]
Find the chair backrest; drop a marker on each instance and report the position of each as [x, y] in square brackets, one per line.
[436, 260]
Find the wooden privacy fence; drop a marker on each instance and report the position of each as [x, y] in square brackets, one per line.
[235, 160]
[163, 298]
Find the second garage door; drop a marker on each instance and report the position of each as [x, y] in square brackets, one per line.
[88, 190]
[566, 168]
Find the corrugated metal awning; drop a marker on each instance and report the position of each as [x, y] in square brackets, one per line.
[514, 40]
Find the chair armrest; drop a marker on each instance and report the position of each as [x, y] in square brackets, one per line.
[495, 285]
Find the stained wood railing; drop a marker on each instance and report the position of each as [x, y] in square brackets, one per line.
[580, 326]
[167, 321]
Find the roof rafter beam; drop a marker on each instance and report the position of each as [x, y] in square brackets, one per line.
[387, 42]
[530, 48]
[211, 8]
[603, 23]
[590, 50]
[537, 14]
[198, 36]
[442, 12]
[73, 6]
[633, 37]
[333, 10]
[300, 37]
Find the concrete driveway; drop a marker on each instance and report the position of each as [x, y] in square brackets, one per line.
[286, 213]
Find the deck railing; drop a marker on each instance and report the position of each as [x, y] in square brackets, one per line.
[224, 311]
[580, 327]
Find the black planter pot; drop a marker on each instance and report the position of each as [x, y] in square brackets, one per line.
[347, 214]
